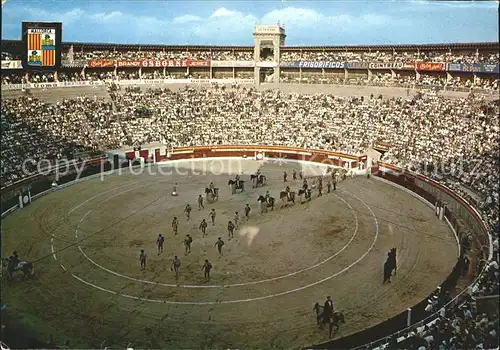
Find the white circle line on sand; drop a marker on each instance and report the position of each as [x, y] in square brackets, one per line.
[98, 195]
[235, 284]
[249, 299]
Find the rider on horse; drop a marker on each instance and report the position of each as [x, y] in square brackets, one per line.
[211, 187]
[237, 180]
[267, 196]
[14, 259]
[287, 190]
[13, 263]
[304, 184]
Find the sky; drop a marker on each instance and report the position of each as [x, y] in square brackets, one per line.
[334, 22]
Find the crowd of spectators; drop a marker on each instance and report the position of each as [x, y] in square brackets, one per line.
[392, 56]
[455, 141]
[271, 117]
[374, 55]
[399, 80]
[216, 55]
[470, 323]
[473, 174]
[221, 106]
[13, 78]
[461, 326]
[24, 140]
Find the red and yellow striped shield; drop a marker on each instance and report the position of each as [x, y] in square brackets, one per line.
[48, 57]
[34, 42]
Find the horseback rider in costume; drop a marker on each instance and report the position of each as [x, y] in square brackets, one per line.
[14, 259]
[237, 180]
[287, 190]
[267, 197]
[211, 187]
[13, 264]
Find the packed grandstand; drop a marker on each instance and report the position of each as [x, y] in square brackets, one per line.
[451, 140]
[454, 67]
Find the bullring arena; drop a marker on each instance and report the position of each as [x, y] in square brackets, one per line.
[147, 128]
[261, 291]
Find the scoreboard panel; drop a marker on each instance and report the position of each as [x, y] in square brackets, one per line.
[42, 45]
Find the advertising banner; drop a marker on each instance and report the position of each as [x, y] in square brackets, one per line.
[289, 64]
[357, 65]
[221, 81]
[101, 63]
[317, 64]
[313, 64]
[152, 81]
[128, 64]
[471, 67]
[196, 63]
[431, 66]
[74, 63]
[153, 63]
[51, 85]
[454, 67]
[381, 146]
[409, 66]
[64, 84]
[230, 64]
[165, 63]
[12, 64]
[386, 65]
[464, 67]
[490, 68]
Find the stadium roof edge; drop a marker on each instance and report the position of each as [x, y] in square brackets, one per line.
[441, 46]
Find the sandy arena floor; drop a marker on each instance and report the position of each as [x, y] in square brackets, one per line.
[261, 291]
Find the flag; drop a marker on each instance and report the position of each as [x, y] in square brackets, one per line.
[71, 54]
[41, 49]
[24, 198]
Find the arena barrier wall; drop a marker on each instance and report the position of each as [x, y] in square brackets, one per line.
[461, 216]
[264, 152]
[458, 209]
[68, 84]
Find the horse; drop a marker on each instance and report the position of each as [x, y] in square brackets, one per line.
[307, 195]
[236, 186]
[287, 197]
[212, 196]
[258, 180]
[333, 321]
[264, 204]
[390, 265]
[25, 267]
